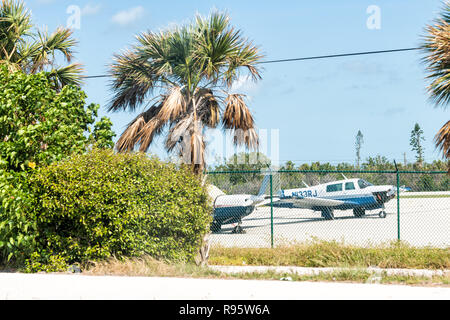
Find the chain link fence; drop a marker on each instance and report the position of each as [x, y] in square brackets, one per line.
[279, 208]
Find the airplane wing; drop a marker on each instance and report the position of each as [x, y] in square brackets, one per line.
[267, 201]
[309, 203]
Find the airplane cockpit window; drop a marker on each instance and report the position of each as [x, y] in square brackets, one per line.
[349, 186]
[334, 187]
[364, 184]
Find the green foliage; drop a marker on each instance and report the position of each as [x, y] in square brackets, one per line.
[318, 253]
[38, 126]
[247, 182]
[22, 48]
[316, 173]
[100, 204]
[185, 71]
[416, 142]
[358, 145]
[103, 136]
[16, 229]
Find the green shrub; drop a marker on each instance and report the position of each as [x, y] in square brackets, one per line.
[16, 227]
[38, 126]
[101, 204]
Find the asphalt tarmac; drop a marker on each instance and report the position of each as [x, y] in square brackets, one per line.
[423, 222]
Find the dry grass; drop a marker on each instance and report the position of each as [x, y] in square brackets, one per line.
[149, 267]
[333, 254]
[314, 254]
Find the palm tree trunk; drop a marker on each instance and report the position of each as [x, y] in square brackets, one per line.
[197, 146]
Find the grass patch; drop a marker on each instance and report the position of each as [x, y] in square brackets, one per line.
[149, 267]
[353, 276]
[426, 196]
[334, 254]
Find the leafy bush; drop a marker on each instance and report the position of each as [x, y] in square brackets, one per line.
[97, 205]
[38, 126]
[16, 228]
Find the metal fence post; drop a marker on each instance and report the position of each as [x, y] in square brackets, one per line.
[271, 210]
[398, 201]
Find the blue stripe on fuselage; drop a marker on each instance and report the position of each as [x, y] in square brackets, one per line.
[357, 202]
[350, 201]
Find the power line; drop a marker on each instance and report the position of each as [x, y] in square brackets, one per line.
[339, 55]
[308, 58]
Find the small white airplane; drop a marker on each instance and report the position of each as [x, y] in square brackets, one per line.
[356, 194]
[230, 209]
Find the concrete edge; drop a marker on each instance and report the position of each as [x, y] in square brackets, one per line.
[317, 271]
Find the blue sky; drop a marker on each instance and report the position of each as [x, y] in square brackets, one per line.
[317, 106]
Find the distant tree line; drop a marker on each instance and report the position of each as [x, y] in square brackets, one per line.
[249, 183]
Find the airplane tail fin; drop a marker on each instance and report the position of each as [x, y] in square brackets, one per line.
[265, 186]
[214, 192]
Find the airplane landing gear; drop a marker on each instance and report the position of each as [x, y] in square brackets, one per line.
[359, 212]
[216, 226]
[382, 213]
[328, 214]
[238, 229]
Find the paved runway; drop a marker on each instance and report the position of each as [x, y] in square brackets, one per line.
[423, 222]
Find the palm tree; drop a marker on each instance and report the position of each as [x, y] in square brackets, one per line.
[33, 52]
[188, 71]
[437, 49]
[442, 140]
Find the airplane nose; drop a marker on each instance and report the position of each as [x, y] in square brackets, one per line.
[392, 191]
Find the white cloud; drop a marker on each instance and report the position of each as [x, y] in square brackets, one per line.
[90, 9]
[126, 17]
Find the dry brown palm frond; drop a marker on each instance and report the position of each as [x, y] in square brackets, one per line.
[132, 133]
[127, 140]
[189, 140]
[173, 105]
[442, 140]
[179, 132]
[208, 108]
[438, 43]
[148, 132]
[237, 115]
[249, 138]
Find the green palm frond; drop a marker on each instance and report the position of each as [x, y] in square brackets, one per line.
[183, 67]
[69, 75]
[436, 46]
[48, 46]
[21, 49]
[134, 78]
[15, 26]
[222, 51]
